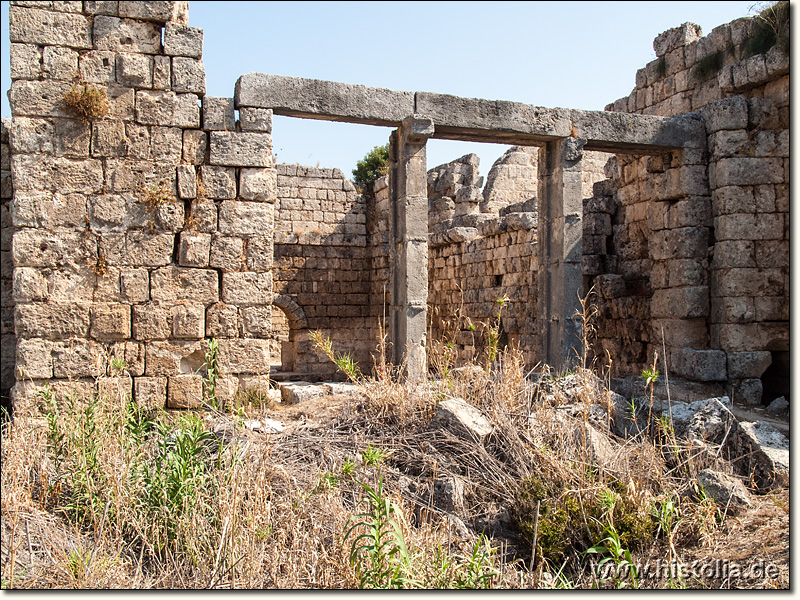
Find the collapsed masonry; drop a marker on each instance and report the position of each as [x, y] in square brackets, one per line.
[677, 216]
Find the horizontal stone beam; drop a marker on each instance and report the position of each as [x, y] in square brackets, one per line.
[468, 119]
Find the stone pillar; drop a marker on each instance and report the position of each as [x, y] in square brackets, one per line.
[408, 184]
[560, 251]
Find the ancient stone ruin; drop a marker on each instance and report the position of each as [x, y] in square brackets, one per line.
[131, 239]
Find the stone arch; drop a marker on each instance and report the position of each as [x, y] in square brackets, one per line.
[297, 323]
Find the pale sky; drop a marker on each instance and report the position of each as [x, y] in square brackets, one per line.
[555, 54]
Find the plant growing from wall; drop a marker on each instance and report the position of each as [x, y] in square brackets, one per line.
[375, 164]
[345, 361]
[86, 102]
[771, 28]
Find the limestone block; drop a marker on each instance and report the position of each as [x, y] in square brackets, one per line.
[35, 172]
[187, 181]
[111, 322]
[244, 356]
[685, 242]
[243, 149]
[247, 288]
[726, 491]
[151, 322]
[746, 171]
[185, 391]
[255, 119]
[48, 210]
[748, 392]
[132, 355]
[194, 146]
[109, 139]
[188, 321]
[219, 183]
[681, 333]
[122, 101]
[30, 284]
[181, 40]
[176, 284]
[246, 218]
[222, 321]
[137, 249]
[125, 35]
[39, 98]
[749, 227]
[686, 302]
[218, 114]
[98, 67]
[763, 453]
[45, 28]
[297, 392]
[162, 73]
[733, 199]
[728, 113]
[34, 359]
[167, 109]
[227, 253]
[78, 358]
[166, 144]
[188, 75]
[675, 38]
[258, 184]
[59, 63]
[462, 419]
[700, 365]
[57, 248]
[203, 216]
[26, 61]
[194, 249]
[101, 7]
[257, 320]
[135, 70]
[776, 61]
[115, 389]
[173, 358]
[158, 11]
[772, 308]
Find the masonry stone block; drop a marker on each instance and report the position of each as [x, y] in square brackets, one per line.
[115, 388]
[204, 216]
[188, 321]
[747, 282]
[219, 183]
[45, 28]
[255, 119]
[150, 392]
[126, 35]
[151, 322]
[244, 356]
[685, 242]
[187, 181]
[176, 284]
[749, 226]
[728, 113]
[700, 365]
[227, 253]
[182, 40]
[167, 109]
[109, 139]
[748, 365]
[26, 61]
[110, 322]
[218, 114]
[185, 391]
[57, 248]
[137, 248]
[188, 75]
[746, 171]
[101, 7]
[131, 353]
[135, 70]
[247, 288]
[48, 210]
[257, 320]
[243, 149]
[686, 302]
[222, 321]
[246, 218]
[59, 63]
[173, 357]
[78, 358]
[194, 146]
[98, 67]
[675, 38]
[733, 199]
[158, 11]
[34, 359]
[748, 392]
[30, 284]
[194, 249]
[680, 333]
[166, 144]
[258, 184]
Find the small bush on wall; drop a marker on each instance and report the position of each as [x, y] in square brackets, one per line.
[375, 164]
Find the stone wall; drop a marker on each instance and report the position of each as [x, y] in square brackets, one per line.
[732, 240]
[322, 263]
[8, 340]
[141, 234]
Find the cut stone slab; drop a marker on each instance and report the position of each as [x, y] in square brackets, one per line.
[761, 451]
[346, 390]
[264, 425]
[462, 419]
[778, 406]
[727, 491]
[301, 391]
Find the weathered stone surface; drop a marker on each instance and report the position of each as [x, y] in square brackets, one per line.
[255, 119]
[675, 38]
[700, 365]
[167, 109]
[244, 356]
[748, 392]
[176, 284]
[34, 359]
[150, 393]
[194, 249]
[151, 322]
[188, 321]
[125, 35]
[729, 493]
[51, 321]
[188, 75]
[708, 420]
[78, 358]
[296, 392]
[222, 321]
[748, 365]
[173, 358]
[462, 419]
[257, 320]
[110, 322]
[778, 406]
[728, 113]
[218, 114]
[46, 28]
[158, 10]
[260, 185]
[115, 389]
[194, 146]
[187, 181]
[181, 40]
[245, 218]
[219, 183]
[185, 391]
[762, 452]
[227, 253]
[247, 288]
[242, 149]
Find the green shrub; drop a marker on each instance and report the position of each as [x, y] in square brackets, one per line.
[375, 164]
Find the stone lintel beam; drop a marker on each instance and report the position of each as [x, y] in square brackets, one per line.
[408, 185]
[469, 119]
[325, 100]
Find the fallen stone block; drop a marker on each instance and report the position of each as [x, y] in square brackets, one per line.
[761, 452]
[462, 419]
[729, 493]
[301, 391]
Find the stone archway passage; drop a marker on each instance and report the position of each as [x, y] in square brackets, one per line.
[297, 326]
[562, 134]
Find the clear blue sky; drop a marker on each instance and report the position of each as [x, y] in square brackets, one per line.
[568, 54]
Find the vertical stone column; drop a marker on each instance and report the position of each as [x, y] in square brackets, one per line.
[408, 183]
[560, 247]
